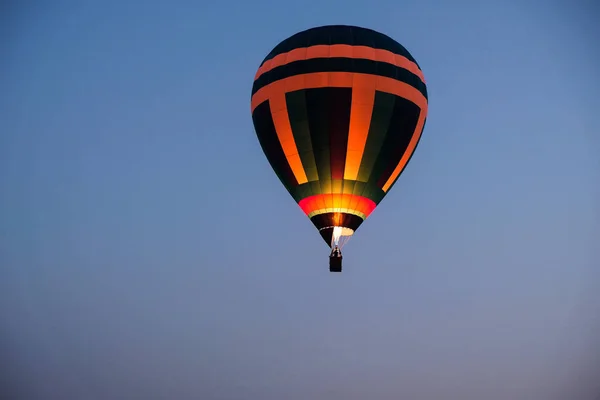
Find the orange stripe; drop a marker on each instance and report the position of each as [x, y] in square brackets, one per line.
[338, 79]
[281, 120]
[339, 50]
[363, 97]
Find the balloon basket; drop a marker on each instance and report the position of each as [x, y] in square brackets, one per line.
[335, 263]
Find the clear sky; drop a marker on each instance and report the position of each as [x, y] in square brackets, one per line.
[148, 251]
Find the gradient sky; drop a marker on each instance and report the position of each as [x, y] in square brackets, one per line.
[148, 251]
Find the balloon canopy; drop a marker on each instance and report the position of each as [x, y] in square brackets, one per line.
[338, 111]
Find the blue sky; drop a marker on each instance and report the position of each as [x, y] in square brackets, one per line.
[147, 250]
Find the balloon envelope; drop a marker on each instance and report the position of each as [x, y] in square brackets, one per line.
[338, 111]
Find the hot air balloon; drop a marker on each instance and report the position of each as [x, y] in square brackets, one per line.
[338, 111]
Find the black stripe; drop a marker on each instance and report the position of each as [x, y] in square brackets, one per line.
[339, 105]
[347, 220]
[318, 108]
[267, 136]
[340, 34]
[340, 64]
[400, 130]
[407, 161]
